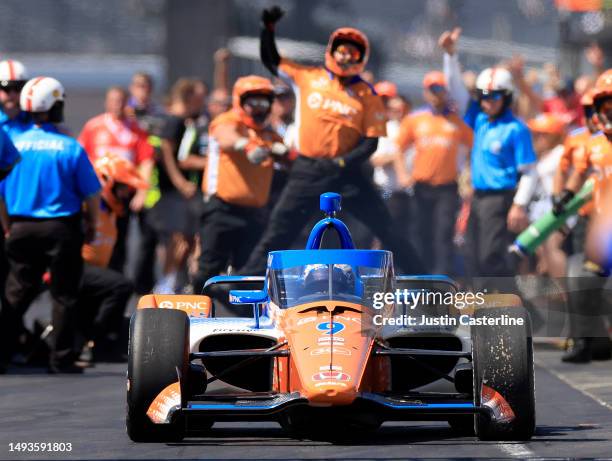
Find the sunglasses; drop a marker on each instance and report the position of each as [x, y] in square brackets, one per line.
[490, 95]
[257, 103]
[437, 89]
[14, 87]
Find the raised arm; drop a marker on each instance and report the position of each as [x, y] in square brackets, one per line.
[267, 45]
[452, 70]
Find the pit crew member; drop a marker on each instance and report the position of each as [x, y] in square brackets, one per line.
[238, 177]
[340, 119]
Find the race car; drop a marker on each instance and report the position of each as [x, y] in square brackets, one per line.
[320, 344]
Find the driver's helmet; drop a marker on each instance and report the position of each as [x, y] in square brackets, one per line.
[316, 279]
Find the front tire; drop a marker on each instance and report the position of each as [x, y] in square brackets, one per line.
[502, 358]
[158, 347]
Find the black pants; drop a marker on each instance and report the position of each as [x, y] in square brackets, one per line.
[435, 211]
[32, 247]
[103, 297]
[588, 300]
[144, 270]
[300, 201]
[119, 255]
[488, 237]
[228, 234]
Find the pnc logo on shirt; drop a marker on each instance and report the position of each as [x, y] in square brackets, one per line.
[316, 101]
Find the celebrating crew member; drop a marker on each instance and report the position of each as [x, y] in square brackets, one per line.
[339, 122]
[238, 177]
[114, 132]
[13, 76]
[442, 141]
[44, 195]
[574, 150]
[586, 278]
[502, 164]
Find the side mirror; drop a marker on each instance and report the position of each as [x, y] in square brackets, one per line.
[247, 296]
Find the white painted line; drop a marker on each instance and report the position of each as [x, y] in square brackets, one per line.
[516, 449]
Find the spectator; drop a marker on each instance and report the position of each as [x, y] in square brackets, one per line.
[44, 195]
[441, 140]
[180, 177]
[113, 132]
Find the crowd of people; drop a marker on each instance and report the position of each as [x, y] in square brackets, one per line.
[215, 180]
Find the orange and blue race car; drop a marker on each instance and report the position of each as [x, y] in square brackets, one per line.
[327, 341]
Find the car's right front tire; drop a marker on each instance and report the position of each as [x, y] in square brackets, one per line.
[158, 348]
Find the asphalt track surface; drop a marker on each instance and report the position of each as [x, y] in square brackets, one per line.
[574, 419]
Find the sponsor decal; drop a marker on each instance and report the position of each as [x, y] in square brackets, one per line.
[314, 100]
[338, 350]
[304, 320]
[331, 328]
[332, 376]
[329, 339]
[183, 305]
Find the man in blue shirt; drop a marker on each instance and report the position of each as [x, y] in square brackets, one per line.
[13, 76]
[44, 196]
[502, 164]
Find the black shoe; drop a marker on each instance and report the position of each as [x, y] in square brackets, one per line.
[601, 348]
[578, 351]
[69, 368]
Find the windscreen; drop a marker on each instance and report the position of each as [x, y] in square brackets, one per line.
[305, 276]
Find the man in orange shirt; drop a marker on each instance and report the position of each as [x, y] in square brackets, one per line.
[586, 279]
[441, 141]
[338, 122]
[114, 133]
[104, 293]
[237, 178]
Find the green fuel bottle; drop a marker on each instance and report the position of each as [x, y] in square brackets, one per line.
[532, 237]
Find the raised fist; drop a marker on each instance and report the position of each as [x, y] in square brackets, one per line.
[270, 16]
[448, 40]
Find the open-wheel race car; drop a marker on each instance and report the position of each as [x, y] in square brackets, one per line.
[322, 347]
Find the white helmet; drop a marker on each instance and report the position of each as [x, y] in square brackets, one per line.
[12, 71]
[495, 79]
[40, 94]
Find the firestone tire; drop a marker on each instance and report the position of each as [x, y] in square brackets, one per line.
[502, 357]
[158, 347]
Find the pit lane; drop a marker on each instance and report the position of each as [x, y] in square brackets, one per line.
[574, 415]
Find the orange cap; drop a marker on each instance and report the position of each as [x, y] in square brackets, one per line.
[547, 123]
[434, 78]
[386, 88]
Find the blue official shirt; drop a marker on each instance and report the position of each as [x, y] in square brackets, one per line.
[502, 147]
[53, 177]
[16, 125]
[8, 153]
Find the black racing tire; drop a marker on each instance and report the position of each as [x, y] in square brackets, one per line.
[158, 347]
[502, 357]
